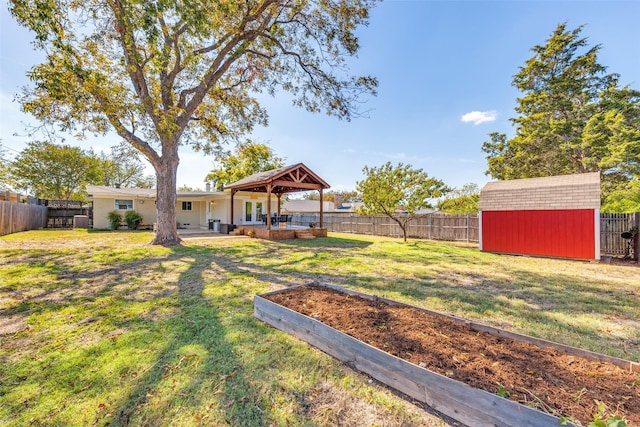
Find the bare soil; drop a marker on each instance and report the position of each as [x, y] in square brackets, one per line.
[544, 378]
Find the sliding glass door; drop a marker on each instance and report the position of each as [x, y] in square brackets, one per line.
[252, 212]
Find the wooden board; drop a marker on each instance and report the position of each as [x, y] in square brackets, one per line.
[464, 403]
[556, 233]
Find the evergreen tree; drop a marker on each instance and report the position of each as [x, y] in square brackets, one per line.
[572, 118]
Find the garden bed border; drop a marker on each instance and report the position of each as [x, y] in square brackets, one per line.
[458, 400]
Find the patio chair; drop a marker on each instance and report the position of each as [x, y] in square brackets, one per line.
[282, 219]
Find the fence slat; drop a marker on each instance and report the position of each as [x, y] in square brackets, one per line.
[16, 217]
[611, 228]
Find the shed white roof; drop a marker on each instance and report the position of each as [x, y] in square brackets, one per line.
[579, 191]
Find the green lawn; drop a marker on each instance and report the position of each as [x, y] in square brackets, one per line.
[100, 328]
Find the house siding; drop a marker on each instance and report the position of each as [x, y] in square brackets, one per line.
[214, 206]
[189, 219]
[102, 207]
[556, 233]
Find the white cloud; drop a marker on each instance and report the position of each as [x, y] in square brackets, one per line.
[479, 117]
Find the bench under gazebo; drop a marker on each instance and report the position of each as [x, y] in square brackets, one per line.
[278, 182]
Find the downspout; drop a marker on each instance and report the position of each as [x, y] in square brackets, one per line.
[232, 193]
[268, 221]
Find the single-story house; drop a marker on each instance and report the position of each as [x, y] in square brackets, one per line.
[241, 203]
[298, 206]
[193, 209]
[9, 196]
[306, 206]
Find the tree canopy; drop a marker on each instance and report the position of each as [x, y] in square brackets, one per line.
[398, 192]
[249, 158]
[167, 73]
[573, 117]
[51, 171]
[463, 200]
[345, 196]
[4, 161]
[122, 167]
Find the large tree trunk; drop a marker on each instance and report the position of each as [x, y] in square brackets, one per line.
[166, 175]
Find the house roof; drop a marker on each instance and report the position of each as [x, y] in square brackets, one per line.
[303, 206]
[348, 207]
[141, 193]
[578, 191]
[287, 179]
[103, 190]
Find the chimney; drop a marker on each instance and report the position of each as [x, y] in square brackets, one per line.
[118, 185]
[208, 188]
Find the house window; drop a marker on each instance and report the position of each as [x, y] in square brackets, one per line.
[124, 205]
[186, 206]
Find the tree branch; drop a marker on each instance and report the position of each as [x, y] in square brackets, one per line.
[136, 73]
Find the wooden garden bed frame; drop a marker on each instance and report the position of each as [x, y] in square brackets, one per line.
[451, 397]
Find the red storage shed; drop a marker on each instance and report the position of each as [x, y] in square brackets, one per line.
[557, 216]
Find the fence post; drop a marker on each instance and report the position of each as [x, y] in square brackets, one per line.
[467, 228]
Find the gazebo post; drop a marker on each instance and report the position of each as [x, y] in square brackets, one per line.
[279, 197]
[321, 208]
[268, 221]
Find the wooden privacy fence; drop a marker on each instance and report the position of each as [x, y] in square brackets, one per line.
[611, 228]
[457, 228]
[15, 217]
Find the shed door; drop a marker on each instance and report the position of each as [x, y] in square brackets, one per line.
[558, 233]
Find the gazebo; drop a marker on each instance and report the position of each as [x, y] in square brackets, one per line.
[288, 179]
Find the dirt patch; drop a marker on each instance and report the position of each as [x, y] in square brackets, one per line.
[544, 378]
[327, 405]
[12, 325]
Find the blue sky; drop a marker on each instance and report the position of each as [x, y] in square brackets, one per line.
[445, 71]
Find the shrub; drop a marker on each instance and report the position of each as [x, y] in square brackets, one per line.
[133, 219]
[114, 219]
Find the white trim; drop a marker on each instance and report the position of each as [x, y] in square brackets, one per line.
[596, 232]
[480, 229]
[254, 211]
[117, 207]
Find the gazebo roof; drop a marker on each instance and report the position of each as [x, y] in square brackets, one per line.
[287, 179]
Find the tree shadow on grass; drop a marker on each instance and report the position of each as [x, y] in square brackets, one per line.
[536, 303]
[198, 344]
[328, 242]
[207, 332]
[105, 309]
